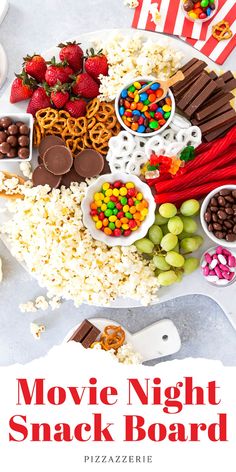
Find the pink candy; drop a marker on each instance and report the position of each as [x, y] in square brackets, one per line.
[219, 266]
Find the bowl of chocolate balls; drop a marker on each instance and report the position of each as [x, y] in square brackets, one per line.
[16, 137]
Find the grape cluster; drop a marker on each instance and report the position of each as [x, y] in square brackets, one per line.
[170, 238]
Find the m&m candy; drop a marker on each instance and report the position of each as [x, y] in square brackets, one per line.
[118, 209]
[138, 109]
[199, 10]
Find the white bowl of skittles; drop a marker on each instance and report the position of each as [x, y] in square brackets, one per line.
[136, 110]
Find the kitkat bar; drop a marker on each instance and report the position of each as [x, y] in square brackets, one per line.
[86, 334]
[218, 122]
[196, 68]
[193, 91]
[219, 132]
[213, 75]
[219, 111]
[213, 106]
[227, 76]
[200, 99]
[230, 85]
[189, 64]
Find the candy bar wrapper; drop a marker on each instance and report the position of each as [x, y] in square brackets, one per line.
[173, 21]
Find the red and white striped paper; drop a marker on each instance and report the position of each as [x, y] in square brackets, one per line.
[198, 35]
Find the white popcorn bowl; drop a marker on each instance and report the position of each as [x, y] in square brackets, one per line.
[27, 118]
[135, 133]
[135, 235]
[220, 242]
[198, 20]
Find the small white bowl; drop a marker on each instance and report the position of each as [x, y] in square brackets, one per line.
[198, 20]
[135, 133]
[27, 118]
[135, 235]
[211, 251]
[221, 242]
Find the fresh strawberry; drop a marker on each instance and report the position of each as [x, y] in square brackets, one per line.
[96, 64]
[73, 54]
[58, 72]
[60, 98]
[38, 101]
[76, 107]
[35, 66]
[85, 86]
[22, 88]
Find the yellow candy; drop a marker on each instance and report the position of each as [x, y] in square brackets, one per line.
[134, 229]
[192, 15]
[145, 108]
[139, 196]
[106, 199]
[106, 186]
[115, 192]
[112, 218]
[136, 98]
[98, 224]
[137, 85]
[108, 193]
[144, 212]
[95, 218]
[97, 196]
[99, 203]
[166, 108]
[125, 226]
[125, 208]
[103, 207]
[129, 185]
[123, 191]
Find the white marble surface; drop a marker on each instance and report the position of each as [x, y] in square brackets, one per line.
[32, 26]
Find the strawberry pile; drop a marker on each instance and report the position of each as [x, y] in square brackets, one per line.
[68, 84]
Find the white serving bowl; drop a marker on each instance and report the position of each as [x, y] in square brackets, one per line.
[221, 242]
[135, 133]
[135, 235]
[27, 118]
[198, 20]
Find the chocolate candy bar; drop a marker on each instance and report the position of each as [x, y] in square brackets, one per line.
[219, 132]
[217, 122]
[209, 109]
[219, 111]
[230, 85]
[213, 75]
[85, 334]
[189, 64]
[200, 99]
[194, 91]
[189, 74]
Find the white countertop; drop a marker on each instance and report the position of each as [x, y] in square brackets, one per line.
[204, 329]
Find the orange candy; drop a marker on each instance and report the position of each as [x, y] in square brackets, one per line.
[137, 215]
[124, 220]
[107, 231]
[93, 206]
[139, 106]
[105, 222]
[133, 106]
[152, 97]
[159, 92]
[168, 101]
[134, 126]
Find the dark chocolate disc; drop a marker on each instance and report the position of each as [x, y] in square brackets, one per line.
[88, 163]
[42, 177]
[48, 142]
[58, 160]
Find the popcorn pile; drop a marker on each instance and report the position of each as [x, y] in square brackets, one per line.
[46, 232]
[124, 354]
[130, 57]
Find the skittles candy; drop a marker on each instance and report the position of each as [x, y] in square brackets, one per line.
[138, 110]
[118, 209]
[200, 10]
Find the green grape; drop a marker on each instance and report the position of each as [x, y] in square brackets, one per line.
[174, 259]
[165, 229]
[190, 207]
[179, 275]
[167, 278]
[160, 220]
[191, 244]
[169, 241]
[176, 248]
[191, 264]
[190, 225]
[184, 235]
[167, 210]
[155, 234]
[144, 245]
[175, 225]
[157, 272]
[160, 263]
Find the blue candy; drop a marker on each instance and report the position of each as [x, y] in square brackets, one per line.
[122, 110]
[136, 112]
[143, 96]
[155, 86]
[209, 11]
[141, 129]
[124, 93]
[160, 110]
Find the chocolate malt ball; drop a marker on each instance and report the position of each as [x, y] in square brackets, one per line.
[12, 153]
[13, 130]
[24, 129]
[3, 136]
[12, 140]
[23, 141]
[5, 148]
[5, 122]
[23, 153]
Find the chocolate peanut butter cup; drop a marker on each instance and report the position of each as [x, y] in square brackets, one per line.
[41, 176]
[88, 163]
[48, 142]
[58, 160]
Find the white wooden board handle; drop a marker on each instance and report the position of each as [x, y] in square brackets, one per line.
[157, 340]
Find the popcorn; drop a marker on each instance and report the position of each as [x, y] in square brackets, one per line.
[55, 303]
[124, 354]
[28, 307]
[26, 169]
[131, 3]
[133, 56]
[41, 303]
[36, 330]
[46, 231]
[12, 186]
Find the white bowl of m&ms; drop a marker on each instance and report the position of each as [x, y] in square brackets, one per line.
[199, 11]
[118, 209]
[137, 111]
[218, 266]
